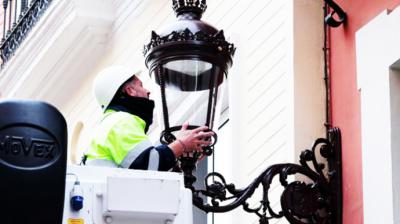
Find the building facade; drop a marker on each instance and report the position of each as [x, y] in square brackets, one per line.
[368, 128]
[274, 106]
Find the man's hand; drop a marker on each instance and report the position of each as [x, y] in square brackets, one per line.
[195, 139]
[189, 141]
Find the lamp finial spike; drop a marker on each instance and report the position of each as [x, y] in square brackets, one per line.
[189, 6]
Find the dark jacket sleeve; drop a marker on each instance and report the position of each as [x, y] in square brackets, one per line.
[166, 159]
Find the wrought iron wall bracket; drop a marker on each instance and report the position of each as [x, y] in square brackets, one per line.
[336, 10]
[317, 201]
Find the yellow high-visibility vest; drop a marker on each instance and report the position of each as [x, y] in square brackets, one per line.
[119, 140]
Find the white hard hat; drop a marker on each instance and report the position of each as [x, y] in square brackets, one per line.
[108, 81]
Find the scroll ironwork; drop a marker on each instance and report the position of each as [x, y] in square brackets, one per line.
[318, 201]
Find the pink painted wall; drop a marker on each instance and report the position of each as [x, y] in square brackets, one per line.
[346, 98]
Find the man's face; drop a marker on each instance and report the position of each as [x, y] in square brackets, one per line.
[135, 88]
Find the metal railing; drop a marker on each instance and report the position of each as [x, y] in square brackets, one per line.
[19, 16]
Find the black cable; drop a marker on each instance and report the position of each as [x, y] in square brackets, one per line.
[326, 73]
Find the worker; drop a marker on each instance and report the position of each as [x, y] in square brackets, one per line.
[120, 140]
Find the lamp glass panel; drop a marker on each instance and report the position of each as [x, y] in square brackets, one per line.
[189, 67]
[189, 87]
[191, 75]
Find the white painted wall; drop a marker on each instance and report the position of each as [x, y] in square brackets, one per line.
[308, 72]
[277, 106]
[377, 50]
[394, 82]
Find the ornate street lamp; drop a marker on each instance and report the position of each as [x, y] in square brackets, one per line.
[189, 60]
[189, 57]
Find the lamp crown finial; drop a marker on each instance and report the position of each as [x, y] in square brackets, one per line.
[194, 6]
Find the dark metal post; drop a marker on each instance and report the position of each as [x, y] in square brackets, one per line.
[188, 166]
[15, 13]
[24, 4]
[5, 3]
[9, 17]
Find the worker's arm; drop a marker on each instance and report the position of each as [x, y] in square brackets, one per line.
[154, 158]
[132, 149]
[163, 157]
